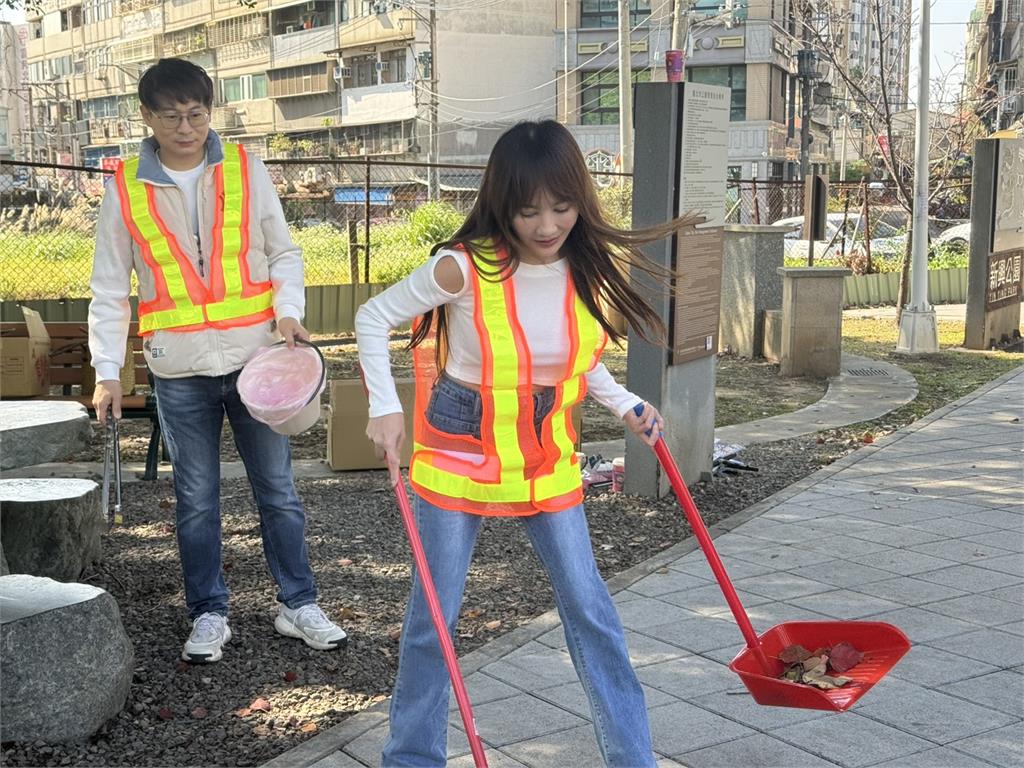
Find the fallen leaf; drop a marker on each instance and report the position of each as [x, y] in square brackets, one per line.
[867, 437]
[394, 634]
[260, 705]
[492, 624]
[165, 504]
[473, 613]
[199, 713]
[290, 677]
[164, 713]
[844, 656]
[793, 653]
[344, 561]
[308, 727]
[243, 712]
[825, 682]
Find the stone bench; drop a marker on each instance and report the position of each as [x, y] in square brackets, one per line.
[50, 526]
[66, 658]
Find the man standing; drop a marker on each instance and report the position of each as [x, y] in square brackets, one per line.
[219, 277]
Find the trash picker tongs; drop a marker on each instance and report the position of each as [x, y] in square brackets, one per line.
[112, 448]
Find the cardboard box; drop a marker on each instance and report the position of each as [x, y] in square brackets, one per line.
[348, 447]
[25, 359]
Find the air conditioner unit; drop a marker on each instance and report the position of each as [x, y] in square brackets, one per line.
[342, 72]
[380, 8]
[382, 66]
[289, 29]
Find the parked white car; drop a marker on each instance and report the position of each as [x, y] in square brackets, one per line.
[887, 242]
[958, 235]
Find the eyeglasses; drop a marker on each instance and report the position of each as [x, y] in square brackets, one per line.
[171, 120]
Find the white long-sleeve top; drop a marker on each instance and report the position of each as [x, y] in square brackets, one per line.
[540, 307]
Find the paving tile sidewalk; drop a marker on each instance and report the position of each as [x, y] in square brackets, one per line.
[924, 529]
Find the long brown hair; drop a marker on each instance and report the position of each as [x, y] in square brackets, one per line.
[532, 157]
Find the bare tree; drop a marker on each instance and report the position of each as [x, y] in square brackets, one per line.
[869, 94]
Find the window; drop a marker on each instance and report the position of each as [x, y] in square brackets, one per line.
[305, 80]
[599, 96]
[363, 71]
[94, 11]
[4, 139]
[605, 13]
[734, 77]
[243, 88]
[393, 66]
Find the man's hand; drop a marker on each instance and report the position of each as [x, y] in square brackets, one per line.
[290, 330]
[107, 395]
[387, 433]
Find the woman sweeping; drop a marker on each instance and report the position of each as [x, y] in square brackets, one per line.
[510, 321]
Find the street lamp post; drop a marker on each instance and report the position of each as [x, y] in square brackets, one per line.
[918, 331]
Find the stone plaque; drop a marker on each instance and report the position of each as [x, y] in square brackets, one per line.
[697, 294]
[1004, 286]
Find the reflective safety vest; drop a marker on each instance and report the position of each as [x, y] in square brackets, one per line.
[508, 471]
[182, 300]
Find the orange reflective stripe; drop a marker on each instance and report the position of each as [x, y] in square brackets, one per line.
[166, 245]
[162, 299]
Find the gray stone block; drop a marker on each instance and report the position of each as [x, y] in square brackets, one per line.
[39, 431]
[59, 691]
[51, 527]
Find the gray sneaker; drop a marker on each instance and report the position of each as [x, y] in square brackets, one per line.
[210, 632]
[309, 624]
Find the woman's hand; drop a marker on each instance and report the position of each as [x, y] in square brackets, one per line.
[387, 433]
[649, 420]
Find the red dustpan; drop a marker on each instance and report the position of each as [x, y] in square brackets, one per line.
[758, 665]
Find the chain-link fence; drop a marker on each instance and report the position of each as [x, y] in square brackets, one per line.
[865, 226]
[371, 220]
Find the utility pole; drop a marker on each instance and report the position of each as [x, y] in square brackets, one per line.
[565, 61]
[842, 151]
[625, 90]
[918, 331]
[433, 176]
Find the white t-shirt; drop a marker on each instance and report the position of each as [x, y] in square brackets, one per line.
[540, 306]
[188, 182]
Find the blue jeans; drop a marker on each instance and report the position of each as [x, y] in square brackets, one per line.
[191, 412]
[593, 631]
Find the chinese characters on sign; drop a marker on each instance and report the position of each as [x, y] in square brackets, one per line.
[1004, 278]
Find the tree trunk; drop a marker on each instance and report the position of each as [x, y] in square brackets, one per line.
[904, 292]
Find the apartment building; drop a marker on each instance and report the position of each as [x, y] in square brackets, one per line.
[747, 46]
[994, 64]
[14, 97]
[292, 77]
[874, 38]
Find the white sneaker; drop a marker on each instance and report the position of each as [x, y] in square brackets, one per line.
[310, 625]
[210, 632]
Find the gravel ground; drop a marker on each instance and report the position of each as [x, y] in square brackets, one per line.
[182, 715]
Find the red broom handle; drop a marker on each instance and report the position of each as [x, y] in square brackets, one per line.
[700, 530]
[447, 649]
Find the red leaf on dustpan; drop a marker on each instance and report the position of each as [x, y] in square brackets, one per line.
[844, 656]
[793, 653]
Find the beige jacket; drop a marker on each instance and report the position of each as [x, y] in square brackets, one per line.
[209, 352]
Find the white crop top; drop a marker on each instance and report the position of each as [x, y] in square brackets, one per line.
[540, 299]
